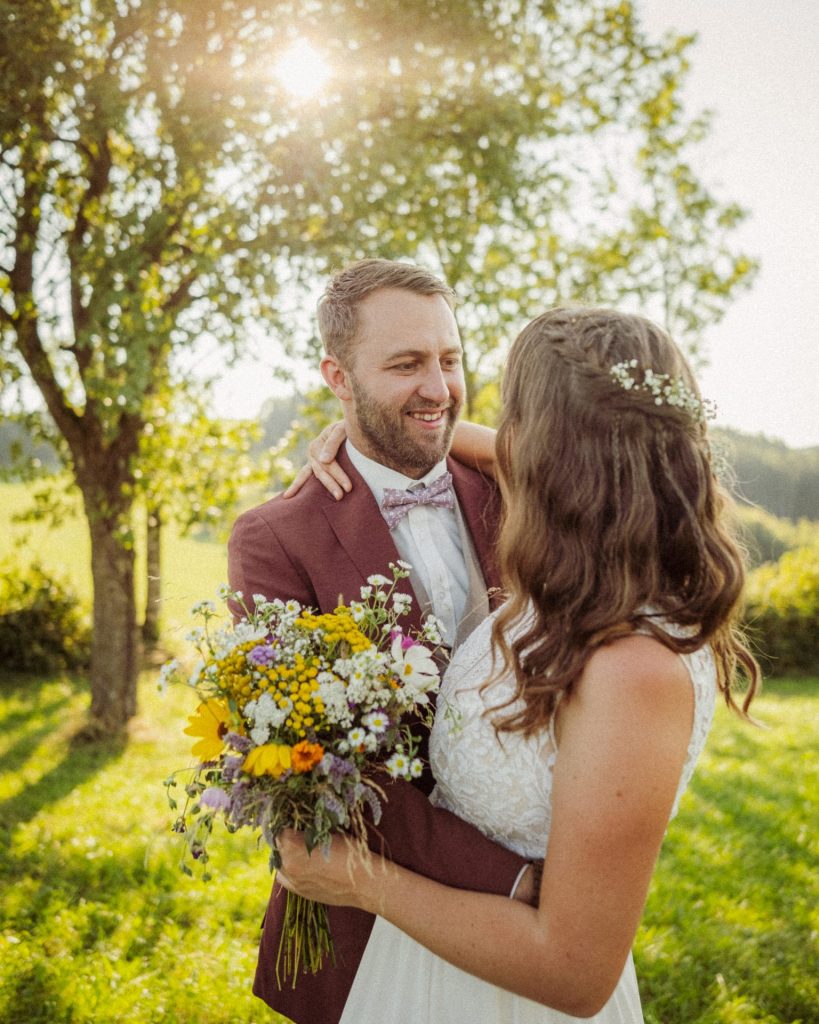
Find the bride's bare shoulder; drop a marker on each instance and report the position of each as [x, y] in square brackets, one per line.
[637, 670]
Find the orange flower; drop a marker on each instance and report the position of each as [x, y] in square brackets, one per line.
[306, 756]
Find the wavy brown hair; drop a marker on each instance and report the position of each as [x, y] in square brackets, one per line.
[613, 517]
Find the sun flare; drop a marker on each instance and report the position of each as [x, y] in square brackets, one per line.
[302, 70]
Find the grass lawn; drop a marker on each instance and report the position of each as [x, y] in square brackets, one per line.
[97, 924]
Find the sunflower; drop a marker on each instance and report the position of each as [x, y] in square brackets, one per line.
[210, 722]
[269, 759]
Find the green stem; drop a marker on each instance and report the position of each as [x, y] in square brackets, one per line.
[305, 940]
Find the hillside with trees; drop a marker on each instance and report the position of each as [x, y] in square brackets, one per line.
[782, 480]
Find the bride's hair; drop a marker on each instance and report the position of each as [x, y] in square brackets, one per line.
[614, 519]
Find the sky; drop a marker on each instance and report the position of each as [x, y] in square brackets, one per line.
[755, 66]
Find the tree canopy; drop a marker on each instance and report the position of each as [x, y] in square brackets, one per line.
[161, 184]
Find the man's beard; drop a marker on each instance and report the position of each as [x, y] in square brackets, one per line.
[388, 437]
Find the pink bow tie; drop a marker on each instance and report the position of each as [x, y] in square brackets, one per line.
[396, 503]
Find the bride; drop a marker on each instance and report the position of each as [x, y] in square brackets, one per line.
[569, 724]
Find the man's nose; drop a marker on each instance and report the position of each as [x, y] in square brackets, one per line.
[434, 386]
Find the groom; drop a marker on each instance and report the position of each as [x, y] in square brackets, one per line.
[393, 358]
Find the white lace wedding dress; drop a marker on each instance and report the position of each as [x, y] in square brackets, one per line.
[504, 789]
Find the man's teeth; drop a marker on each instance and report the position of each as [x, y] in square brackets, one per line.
[428, 417]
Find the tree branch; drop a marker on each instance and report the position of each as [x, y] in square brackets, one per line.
[25, 322]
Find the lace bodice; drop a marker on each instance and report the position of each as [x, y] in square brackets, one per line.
[503, 784]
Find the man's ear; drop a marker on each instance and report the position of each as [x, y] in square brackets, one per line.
[336, 378]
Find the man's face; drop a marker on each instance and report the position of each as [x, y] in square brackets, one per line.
[406, 380]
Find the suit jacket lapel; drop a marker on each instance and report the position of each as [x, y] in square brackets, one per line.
[363, 534]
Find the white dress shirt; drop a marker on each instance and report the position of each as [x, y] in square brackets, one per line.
[428, 538]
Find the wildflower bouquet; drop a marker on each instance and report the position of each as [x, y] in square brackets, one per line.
[295, 709]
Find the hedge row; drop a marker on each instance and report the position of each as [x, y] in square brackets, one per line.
[782, 612]
[42, 626]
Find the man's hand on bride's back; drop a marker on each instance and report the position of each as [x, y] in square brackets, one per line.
[323, 465]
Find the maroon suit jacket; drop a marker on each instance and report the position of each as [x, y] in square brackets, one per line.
[315, 549]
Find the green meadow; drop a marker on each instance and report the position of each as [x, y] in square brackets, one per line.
[192, 568]
[98, 924]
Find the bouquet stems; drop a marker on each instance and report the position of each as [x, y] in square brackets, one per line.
[305, 940]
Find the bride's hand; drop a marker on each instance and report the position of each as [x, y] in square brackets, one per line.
[322, 464]
[346, 875]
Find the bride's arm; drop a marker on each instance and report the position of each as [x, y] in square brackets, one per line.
[472, 444]
[614, 785]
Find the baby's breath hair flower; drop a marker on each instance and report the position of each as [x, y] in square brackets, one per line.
[665, 389]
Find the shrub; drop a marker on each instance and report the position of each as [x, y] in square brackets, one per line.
[782, 614]
[42, 626]
[768, 537]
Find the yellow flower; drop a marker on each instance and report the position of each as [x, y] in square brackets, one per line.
[210, 721]
[270, 759]
[306, 756]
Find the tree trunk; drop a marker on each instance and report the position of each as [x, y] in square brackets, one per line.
[115, 646]
[153, 548]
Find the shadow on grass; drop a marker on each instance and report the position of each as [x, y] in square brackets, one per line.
[17, 683]
[78, 765]
[39, 708]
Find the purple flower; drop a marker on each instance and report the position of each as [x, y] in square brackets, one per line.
[368, 797]
[406, 641]
[337, 768]
[214, 798]
[239, 810]
[231, 768]
[238, 742]
[264, 655]
[334, 807]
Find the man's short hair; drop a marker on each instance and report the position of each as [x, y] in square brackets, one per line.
[338, 306]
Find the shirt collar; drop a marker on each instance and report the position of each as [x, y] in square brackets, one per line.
[378, 476]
